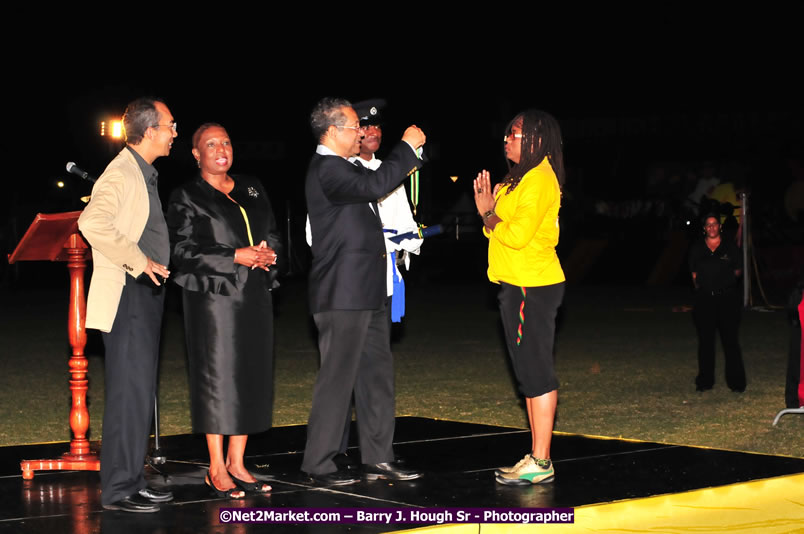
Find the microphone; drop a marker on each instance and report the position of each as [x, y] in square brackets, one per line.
[73, 168]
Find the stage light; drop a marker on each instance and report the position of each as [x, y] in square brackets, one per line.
[117, 129]
[453, 178]
[60, 184]
[112, 128]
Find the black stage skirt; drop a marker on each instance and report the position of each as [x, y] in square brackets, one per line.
[230, 347]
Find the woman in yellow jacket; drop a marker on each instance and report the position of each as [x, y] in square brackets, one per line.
[520, 218]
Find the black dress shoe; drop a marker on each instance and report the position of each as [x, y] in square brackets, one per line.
[345, 461]
[154, 495]
[133, 504]
[389, 471]
[336, 478]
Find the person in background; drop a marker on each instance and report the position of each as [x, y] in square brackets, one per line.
[716, 265]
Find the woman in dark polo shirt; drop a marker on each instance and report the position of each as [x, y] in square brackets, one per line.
[716, 265]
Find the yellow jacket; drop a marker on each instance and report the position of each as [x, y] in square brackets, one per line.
[522, 247]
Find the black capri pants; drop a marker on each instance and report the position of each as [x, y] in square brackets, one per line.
[529, 323]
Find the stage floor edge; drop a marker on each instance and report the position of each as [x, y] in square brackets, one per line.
[774, 505]
[613, 485]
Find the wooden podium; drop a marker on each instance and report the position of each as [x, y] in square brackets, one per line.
[55, 237]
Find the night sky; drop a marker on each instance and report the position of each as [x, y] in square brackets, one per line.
[622, 112]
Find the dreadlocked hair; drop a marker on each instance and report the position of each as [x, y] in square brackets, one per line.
[541, 138]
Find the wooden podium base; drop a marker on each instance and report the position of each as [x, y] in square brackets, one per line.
[67, 462]
[55, 237]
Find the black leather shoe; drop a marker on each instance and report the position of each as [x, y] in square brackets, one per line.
[154, 495]
[389, 471]
[336, 478]
[133, 504]
[345, 461]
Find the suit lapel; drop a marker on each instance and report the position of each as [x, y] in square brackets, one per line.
[376, 209]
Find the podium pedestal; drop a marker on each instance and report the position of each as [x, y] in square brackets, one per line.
[55, 237]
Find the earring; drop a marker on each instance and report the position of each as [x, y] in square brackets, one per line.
[198, 162]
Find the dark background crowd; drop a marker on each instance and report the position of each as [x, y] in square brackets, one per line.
[636, 174]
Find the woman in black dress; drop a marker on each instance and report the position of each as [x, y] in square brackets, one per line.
[224, 251]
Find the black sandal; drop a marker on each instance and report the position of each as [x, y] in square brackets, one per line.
[252, 487]
[226, 494]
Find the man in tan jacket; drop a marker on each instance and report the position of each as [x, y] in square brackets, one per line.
[125, 226]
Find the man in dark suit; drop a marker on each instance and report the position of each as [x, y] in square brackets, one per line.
[124, 224]
[348, 296]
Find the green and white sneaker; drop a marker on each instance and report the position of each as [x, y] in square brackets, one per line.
[505, 470]
[532, 471]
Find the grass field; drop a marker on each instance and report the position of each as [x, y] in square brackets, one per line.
[625, 360]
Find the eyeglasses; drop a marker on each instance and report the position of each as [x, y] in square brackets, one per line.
[357, 128]
[712, 225]
[173, 126]
[511, 137]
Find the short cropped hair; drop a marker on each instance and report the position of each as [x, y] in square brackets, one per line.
[710, 215]
[328, 112]
[203, 128]
[140, 115]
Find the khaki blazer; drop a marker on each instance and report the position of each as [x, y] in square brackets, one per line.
[112, 223]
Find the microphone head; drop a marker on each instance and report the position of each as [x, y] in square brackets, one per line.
[72, 168]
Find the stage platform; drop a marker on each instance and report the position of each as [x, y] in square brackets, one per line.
[614, 485]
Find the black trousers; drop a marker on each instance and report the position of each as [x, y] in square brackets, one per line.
[355, 356]
[132, 352]
[718, 313]
[348, 423]
[529, 315]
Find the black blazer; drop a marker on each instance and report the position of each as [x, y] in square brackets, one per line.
[348, 270]
[206, 227]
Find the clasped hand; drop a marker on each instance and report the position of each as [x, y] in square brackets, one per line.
[256, 256]
[484, 195]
